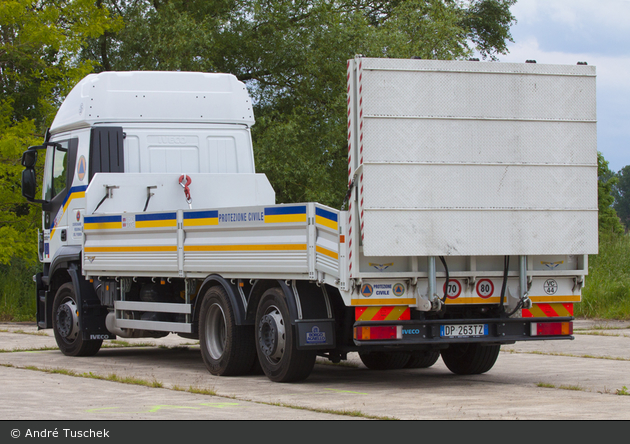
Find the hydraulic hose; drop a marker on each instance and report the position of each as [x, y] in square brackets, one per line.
[446, 283]
[506, 266]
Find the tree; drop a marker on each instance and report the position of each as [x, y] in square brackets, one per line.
[39, 42]
[609, 223]
[621, 193]
[292, 56]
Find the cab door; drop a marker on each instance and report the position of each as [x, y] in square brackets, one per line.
[58, 176]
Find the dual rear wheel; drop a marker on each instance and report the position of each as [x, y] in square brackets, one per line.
[461, 359]
[399, 360]
[269, 346]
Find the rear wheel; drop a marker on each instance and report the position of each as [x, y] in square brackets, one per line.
[66, 325]
[422, 359]
[227, 349]
[384, 360]
[276, 342]
[470, 359]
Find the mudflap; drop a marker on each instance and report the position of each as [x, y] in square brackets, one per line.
[315, 334]
[44, 309]
[93, 314]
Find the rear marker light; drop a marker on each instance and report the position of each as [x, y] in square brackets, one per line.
[378, 332]
[551, 328]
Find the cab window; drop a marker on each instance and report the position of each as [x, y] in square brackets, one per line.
[57, 165]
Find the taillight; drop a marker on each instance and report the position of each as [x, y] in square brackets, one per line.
[378, 332]
[551, 328]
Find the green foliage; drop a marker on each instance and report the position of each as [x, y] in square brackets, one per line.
[39, 41]
[17, 290]
[292, 56]
[609, 223]
[621, 193]
[606, 294]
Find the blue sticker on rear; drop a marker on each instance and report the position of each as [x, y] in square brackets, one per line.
[315, 336]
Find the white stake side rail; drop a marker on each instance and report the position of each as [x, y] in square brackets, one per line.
[297, 241]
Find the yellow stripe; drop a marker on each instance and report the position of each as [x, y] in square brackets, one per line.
[389, 302]
[279, 218]
[556, 298]
[130, 249]
[102, 226]
[560, 309]
[156, 223]
[326, 222]
[326, 252]
[537, 312]
[293, 247]
[201, 222]
[369, 313]
[76, 195]
[395, 313]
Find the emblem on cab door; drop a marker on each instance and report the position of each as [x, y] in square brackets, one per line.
[81, 168]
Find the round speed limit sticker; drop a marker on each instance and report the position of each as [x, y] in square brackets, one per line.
[485, 288]
[454, 288]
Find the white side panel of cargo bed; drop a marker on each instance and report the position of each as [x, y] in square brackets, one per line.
[472, 158]
[132, 192]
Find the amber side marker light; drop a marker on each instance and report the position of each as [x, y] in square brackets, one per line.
[551, 328]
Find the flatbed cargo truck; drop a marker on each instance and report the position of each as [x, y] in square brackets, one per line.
[471, 211]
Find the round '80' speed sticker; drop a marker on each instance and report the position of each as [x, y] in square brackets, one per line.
[485, 288]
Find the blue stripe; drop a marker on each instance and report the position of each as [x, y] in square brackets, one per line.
[285, 210]
[101, 219]
[65, 200]
[325, 213]
[202, 215]
[158, 216]
[77, 189]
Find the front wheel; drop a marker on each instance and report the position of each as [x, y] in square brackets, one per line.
[470, 359]
[227, 349]
[276, 342]
[66, 325]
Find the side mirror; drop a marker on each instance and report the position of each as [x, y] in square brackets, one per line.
[29, 158]
[29, 183]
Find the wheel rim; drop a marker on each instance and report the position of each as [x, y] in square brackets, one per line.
[216, 331]
[68, 320]
[272, 335]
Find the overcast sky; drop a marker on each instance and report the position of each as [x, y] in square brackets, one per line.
[594, 31]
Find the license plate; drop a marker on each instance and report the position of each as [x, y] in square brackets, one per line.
[463, 330]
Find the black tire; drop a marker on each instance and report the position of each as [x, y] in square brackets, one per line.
[227, 349]
[66, 325]
[276, 342]
[384, 360]
[470, 359]
[422, 359]
[256, 369]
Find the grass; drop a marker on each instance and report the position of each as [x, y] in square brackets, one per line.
[561, 387]
[17, 291]
[197, 390]
[606, 294]
[111, 377]
[571, 355]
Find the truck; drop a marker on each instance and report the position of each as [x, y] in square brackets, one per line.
[471, 210]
